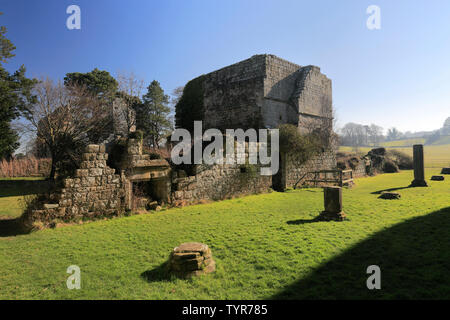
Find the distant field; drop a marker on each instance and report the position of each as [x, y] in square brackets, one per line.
[435, 156]
[403, 143]
[442, 140]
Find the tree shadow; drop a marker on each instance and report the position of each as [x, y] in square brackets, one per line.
[157, 274]
[390, 190]
[13, 188]
[303, 221]
[11, 227]
[414, 258]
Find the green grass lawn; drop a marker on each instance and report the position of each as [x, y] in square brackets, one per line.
[266, 246]
[436, 156]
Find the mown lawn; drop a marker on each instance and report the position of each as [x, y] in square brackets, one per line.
[266, 246]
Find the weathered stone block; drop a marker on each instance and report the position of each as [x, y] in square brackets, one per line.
[333, 204]
[82, 172]
[92, 148]
[191, 259]
[94, 172]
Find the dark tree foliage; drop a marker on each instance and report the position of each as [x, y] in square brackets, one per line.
[190, 106]
[15, 94]
[152, 116]
[98, 82]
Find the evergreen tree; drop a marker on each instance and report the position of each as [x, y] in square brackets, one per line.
[98, 82]
[152, 116]
[15, 95]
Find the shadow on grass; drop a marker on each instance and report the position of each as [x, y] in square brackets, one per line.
[11, 227]
[158, 274]
[303, 221]
[12, 188]
[414, 258]
[390, 190]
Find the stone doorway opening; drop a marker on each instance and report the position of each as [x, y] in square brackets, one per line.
[149, 194]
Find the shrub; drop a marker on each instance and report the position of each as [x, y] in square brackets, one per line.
[302, 147]
[402, 160]
[390, 167]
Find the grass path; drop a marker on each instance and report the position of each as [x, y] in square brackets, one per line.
[266, 246]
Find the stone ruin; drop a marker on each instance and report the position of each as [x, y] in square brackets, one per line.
[94, 191]
[261, 92]
[97, 190]
[265, 91]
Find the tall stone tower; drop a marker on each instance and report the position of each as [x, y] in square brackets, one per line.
[265, 91]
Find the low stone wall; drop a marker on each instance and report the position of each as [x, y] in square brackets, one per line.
[94, 191]
[218, 182]
[360, 169]
[323, 161]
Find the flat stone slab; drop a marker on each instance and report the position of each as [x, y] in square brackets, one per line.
[390, 196]
[51, 206]
[192, 247]
[437, 178]
[445, 171]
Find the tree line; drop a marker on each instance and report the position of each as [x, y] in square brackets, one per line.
[357, 135]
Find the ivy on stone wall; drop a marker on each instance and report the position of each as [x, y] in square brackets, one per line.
[301, 147]
[190, 107]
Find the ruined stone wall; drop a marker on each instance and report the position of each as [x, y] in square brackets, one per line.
[323, 161]
[94, 191]
[279, 85]
[312, 98]
[360, 170]
[233, 96]
[264, 92]
[218, 182]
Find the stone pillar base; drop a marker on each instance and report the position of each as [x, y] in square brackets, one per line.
[419, 183]
[331, 216]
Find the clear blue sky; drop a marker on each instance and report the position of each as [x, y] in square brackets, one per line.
[396, 76]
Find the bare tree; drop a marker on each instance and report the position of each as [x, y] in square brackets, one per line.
[130, 83]
[130, 92]
[64, 119]
[176, 95]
